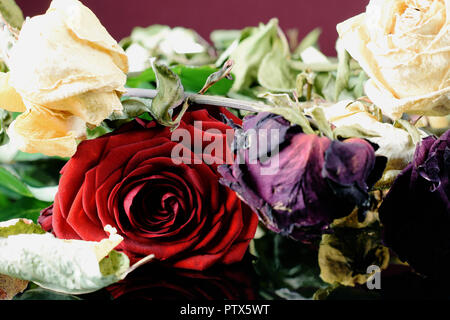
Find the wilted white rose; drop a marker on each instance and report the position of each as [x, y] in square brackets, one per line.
[404, 47]
[66, 72]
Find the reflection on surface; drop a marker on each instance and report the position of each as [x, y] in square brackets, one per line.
[157, 282]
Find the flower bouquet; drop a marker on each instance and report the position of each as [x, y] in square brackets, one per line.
[248, 167]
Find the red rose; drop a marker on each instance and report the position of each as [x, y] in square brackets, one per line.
[179, 212]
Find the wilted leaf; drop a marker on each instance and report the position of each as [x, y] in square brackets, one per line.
[345, 254]
[11, 14]
[223, 73]
[9, 287]
[310, 40]
[67, 266]
[322, 122]
[170, 95]
[354, 131]
[411, 129]
[275, 72]
[250, 52]
[133, 107]
[289, 111]
[171, 45]
[222, 39]
[343, 72]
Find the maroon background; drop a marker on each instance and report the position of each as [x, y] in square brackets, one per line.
[120, 16]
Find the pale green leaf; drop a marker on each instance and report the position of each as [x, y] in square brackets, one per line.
[170, 95]
[222, 39]
[290, 111]
[275, 72]
[411, 129]
[343, 72]
[311, 40]
[133, 107]
[249, 54]
[67, 266]
[322, 122]
[11, 13]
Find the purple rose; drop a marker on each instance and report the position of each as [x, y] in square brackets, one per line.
[298, 183]
[416, 212]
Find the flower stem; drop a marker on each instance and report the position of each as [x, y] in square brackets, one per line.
[208, 100]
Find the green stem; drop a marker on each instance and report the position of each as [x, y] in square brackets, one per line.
[209, 100]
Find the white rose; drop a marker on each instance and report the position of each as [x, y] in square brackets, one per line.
[404, 47]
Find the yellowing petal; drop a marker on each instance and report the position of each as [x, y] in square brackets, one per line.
[93, 107]
[9, 98]
[40, 130]
[436, 103]
[86, 26]
[404, 47]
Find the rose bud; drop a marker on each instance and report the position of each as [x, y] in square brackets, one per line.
[404, 48]
[66, 72]
[298, 183]
[416, 212]
[161, 202]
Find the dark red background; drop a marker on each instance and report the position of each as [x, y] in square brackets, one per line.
[120, 16]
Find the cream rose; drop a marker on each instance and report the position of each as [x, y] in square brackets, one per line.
[404, 47]
[66, 72]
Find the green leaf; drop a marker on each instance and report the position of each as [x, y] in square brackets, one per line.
[13, 183]
[27, 208]
[192, 78]
[250, 52]
[170, 95]
[11, 13]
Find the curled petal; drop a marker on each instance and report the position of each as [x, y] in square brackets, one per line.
[9, 98]
[52, 133]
